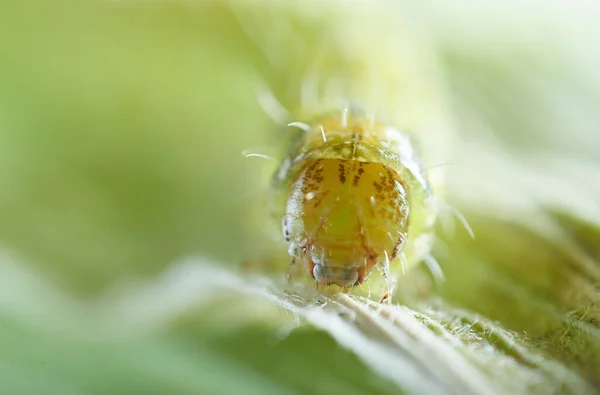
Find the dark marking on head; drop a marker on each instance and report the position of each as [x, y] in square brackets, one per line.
[342, 169]
[377, 186]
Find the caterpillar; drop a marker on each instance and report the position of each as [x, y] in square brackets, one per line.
[350, 195]
[353, 197]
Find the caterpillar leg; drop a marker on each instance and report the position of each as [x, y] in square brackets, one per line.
[386, 298]
[390, 283]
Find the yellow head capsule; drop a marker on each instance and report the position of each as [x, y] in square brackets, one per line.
[352, 194]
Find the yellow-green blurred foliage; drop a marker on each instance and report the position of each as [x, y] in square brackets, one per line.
[121, 130]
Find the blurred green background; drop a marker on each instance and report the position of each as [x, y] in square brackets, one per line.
[122, 125]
